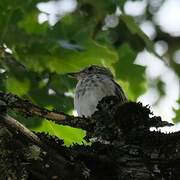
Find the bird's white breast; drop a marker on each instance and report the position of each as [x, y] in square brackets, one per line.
[89, 91]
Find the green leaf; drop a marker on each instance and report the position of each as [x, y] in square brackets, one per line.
[135, 29]
[100, 7]
[60, 102]
[70, 61]
[62, 83]
[176, 119]
[68, 134]
[30, 24]
[161, 87]
[72, 25]
[17, 86]
[132, 75]
[41, 57]
[121, 3]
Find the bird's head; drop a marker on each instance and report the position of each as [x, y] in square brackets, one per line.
[91, 70]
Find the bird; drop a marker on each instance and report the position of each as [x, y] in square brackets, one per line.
[94, 83]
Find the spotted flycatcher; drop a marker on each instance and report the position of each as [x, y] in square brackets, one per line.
[94, 83]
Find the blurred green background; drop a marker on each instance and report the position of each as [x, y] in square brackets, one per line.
[44, 40]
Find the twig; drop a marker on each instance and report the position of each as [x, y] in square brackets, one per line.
[13, 102]
[15, 125]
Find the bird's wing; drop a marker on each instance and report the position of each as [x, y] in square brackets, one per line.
[120, 93]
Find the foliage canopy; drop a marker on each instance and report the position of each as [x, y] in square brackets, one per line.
[41, 54]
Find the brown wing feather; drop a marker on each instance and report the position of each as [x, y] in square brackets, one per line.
[120, 93]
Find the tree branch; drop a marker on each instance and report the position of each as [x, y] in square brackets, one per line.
[127, 150]
[13, 102]
[17, 126]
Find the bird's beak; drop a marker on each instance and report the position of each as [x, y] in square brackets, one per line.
[73, 75]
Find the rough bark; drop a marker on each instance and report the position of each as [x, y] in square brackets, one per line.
[124, 147]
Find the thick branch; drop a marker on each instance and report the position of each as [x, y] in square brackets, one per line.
[15, 103]
[127, 149]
